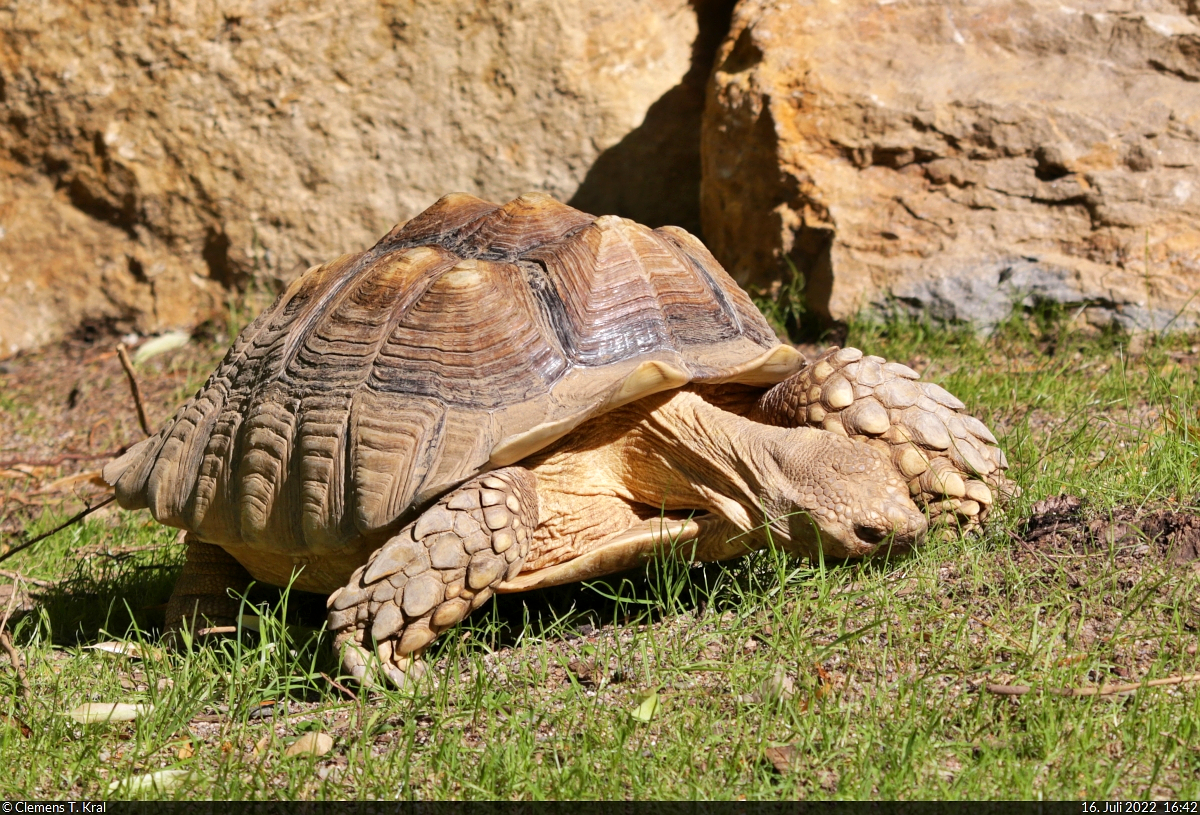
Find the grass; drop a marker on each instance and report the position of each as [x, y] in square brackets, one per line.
[763, 679]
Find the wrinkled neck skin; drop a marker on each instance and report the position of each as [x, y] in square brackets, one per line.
[684, 453]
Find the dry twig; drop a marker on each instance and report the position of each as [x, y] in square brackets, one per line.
[1095, 690]
[33, 581]
[73, 520]
[14, 655]
[123, 355]
[57, 460]
[340, 686]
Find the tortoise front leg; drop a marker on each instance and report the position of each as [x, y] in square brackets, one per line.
[434, 573]
[203, 593]
[950, 459]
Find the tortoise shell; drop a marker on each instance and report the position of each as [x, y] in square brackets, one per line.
[466, 339]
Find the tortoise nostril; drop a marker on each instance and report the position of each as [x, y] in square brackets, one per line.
[872, 534]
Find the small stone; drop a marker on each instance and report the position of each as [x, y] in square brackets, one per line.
[484, 570]
[446, 552]
[463, 499]
[494, 483]
[837, 393]
[490, 498]
[421, 595]
[388, 620]
[435, 519]
[495, 517]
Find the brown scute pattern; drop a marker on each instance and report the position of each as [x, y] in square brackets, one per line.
[443, 222]
[473, 339]
[379, 381]
[608, 303]
[733, 299]
[396, 438]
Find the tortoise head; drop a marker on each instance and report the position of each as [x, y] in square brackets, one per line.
[825, 493]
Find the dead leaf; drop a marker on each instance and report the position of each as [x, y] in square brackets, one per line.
[186, 750]
[26, 471]
[161, 781]
[584, 670]
[13, 721]
[261, 746]
[160, 345]
[132, 650]
[781, 758]
[647, 708]
[93, 712]
[68, 483]
[310, 744]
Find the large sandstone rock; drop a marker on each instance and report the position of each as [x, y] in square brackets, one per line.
[153, 155]
[958, 157]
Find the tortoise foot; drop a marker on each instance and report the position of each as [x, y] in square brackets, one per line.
[432, 574]
[204, 597]
[950, 459]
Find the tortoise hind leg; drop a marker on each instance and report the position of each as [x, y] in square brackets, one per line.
[202, 593]
[434, 573]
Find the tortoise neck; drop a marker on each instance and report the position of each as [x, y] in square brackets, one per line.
[685, 453]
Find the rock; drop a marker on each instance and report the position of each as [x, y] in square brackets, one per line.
[154, 155]
[957, 159]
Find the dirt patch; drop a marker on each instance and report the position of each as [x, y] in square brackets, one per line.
[1062, 522]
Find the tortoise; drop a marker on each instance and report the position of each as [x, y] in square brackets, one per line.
[503, 398]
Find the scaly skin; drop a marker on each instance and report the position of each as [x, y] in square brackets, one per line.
[949, 458]
[205, 592]
[434, 573]
[804, 490]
